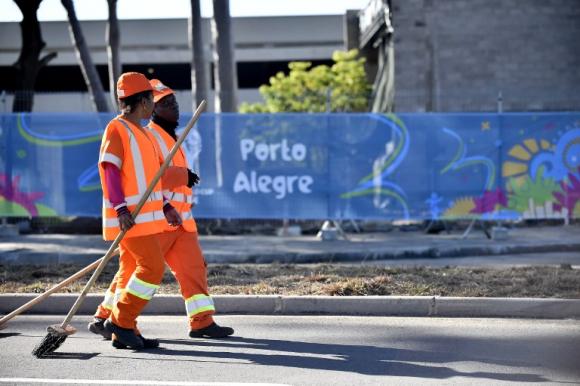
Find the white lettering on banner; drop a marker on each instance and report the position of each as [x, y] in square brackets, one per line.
[272, 151]
[280, 185]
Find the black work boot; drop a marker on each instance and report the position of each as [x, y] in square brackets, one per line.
[97, 326]
[125, 336]
[147, 343]
[211, 331]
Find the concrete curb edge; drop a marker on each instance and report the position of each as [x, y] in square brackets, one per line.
[419, 306]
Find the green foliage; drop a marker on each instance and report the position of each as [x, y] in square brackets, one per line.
[306, 88]
[540, 190]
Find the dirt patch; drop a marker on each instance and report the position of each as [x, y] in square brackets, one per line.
[330, 279]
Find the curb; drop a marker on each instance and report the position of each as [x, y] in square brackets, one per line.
[418, 306]
[387, 254]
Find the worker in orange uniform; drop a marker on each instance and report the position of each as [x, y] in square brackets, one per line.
[128, 161]
[179, 245]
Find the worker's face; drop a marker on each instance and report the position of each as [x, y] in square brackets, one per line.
[147, 107]
[167, 108]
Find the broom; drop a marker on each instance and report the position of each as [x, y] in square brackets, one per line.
[57, 334]
[25, 307]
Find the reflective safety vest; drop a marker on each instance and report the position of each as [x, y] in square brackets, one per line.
[181, 198]
[138, 165]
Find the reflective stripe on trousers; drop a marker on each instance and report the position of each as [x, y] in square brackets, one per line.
[198, 304]
[111, 298]
[141, 288]
[108, 301]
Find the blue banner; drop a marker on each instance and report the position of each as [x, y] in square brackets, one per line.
[318, 166]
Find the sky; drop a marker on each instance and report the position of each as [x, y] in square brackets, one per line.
[51, 10]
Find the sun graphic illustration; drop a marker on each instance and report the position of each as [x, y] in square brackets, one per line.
[518, 169]
[461, 208]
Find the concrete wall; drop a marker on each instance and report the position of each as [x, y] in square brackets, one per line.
[165, 41]
[457, 55]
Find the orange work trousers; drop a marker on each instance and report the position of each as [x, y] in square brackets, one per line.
[141, 265]
[184, 257]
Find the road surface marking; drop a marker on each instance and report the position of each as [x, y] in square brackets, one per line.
[128, 382]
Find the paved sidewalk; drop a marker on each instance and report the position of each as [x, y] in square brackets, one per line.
[83, 249]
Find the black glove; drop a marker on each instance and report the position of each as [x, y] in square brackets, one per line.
[122, 210]
[192, 178]
[126, 222]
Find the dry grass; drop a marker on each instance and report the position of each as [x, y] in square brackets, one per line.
[332, 279]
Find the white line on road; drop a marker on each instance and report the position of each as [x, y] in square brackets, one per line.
[128, 382]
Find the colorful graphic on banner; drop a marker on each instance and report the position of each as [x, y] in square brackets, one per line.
[318, 166]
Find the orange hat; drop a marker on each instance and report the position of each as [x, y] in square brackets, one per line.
[159, 90]
[131, 83]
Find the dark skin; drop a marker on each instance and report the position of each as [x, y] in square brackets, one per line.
[168, 108]
[143, 111]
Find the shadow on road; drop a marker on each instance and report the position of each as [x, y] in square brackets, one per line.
[367, 360]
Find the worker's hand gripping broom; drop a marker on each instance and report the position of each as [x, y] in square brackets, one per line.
[57, 334]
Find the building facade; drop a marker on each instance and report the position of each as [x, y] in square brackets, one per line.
[159, 48]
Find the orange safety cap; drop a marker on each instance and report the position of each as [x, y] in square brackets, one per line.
[131, 83]
[159, 90]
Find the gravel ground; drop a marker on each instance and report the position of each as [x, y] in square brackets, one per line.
[332, 279]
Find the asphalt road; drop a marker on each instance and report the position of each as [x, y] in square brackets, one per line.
[306, 350]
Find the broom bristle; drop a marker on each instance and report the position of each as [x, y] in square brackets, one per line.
[49, 344]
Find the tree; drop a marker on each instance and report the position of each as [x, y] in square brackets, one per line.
[29, 63]
[199, 73]
[225, 74]
[113, 43]
[342, 87]
[226, 78]
[88, 69]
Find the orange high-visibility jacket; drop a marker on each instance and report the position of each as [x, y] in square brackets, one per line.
[181, 198]
[134, 152]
